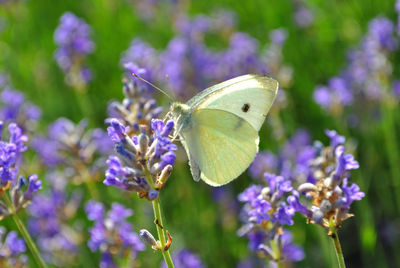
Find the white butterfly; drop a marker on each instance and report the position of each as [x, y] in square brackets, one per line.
[219, 126]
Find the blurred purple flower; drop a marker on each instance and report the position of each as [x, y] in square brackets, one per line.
[265, 161]
[50, 213]
[111, 234]
[185, 259]
[68, 142]
[73, 39]
[382, 29]
[303, 17]
[264, 213]
[363, 81]
[15, 108]
[278, 36]
[12, 249]
[291, 251]
[33, 185]
[396, 88]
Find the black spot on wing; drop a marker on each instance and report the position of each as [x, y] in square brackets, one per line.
[246, 107]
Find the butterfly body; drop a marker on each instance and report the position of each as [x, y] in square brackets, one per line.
[219, 126]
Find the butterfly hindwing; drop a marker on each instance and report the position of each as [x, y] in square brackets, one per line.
[220, 145]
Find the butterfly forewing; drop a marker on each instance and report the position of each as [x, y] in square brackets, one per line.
[249, 97]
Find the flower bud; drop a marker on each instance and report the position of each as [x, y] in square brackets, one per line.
[325, 205]
[265, 192]
[165, 173]
[147, 237]
[143, 143]
[307, 187]
[317, 216]
[153, 194]
[266, 251]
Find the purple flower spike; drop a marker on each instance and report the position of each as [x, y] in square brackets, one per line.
[265, 213]
[15, 244]
[34, 185]
[15, 108]
[328, 197]
[12, 249]
[10, 152]
[278, 36]
[111, 233]
[95, 210]
[73, 39]
[125, 171]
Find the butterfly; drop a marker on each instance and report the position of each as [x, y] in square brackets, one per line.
[219, 126]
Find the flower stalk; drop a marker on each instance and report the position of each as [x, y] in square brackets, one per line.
[24, 233]
[161, 235]
[338, 249]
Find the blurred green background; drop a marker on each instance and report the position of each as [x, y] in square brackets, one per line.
[191, 214]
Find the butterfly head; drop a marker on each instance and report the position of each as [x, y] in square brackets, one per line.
[180, 113]
[179, 109]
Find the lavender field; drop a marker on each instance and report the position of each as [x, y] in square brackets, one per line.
[92, 173]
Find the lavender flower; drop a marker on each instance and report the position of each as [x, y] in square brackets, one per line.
[141, 155]
[111, 234]
[185, 259]
[12, 250]
[76, 146]
[264, 214]
[137, 108]
[147, 10]
[292, 161]
[15, 108]
[191, 65]
[10, 153]
[72, 37]
[303, 16]
[144, 58]
[50, 221]
[363, 83]
[330, 197]
[396, 89]
[265, 161]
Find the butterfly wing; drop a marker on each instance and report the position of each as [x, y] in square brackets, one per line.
[248, 96]
[220, 145]
[220, 131]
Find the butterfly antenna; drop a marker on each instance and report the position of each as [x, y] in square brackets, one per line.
[171, 88]
[151, 84]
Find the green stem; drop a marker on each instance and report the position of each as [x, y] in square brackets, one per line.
[90, 184]
[338, 249]
[25, 234]
[160, 231]
[279, 263]
[84, 103]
